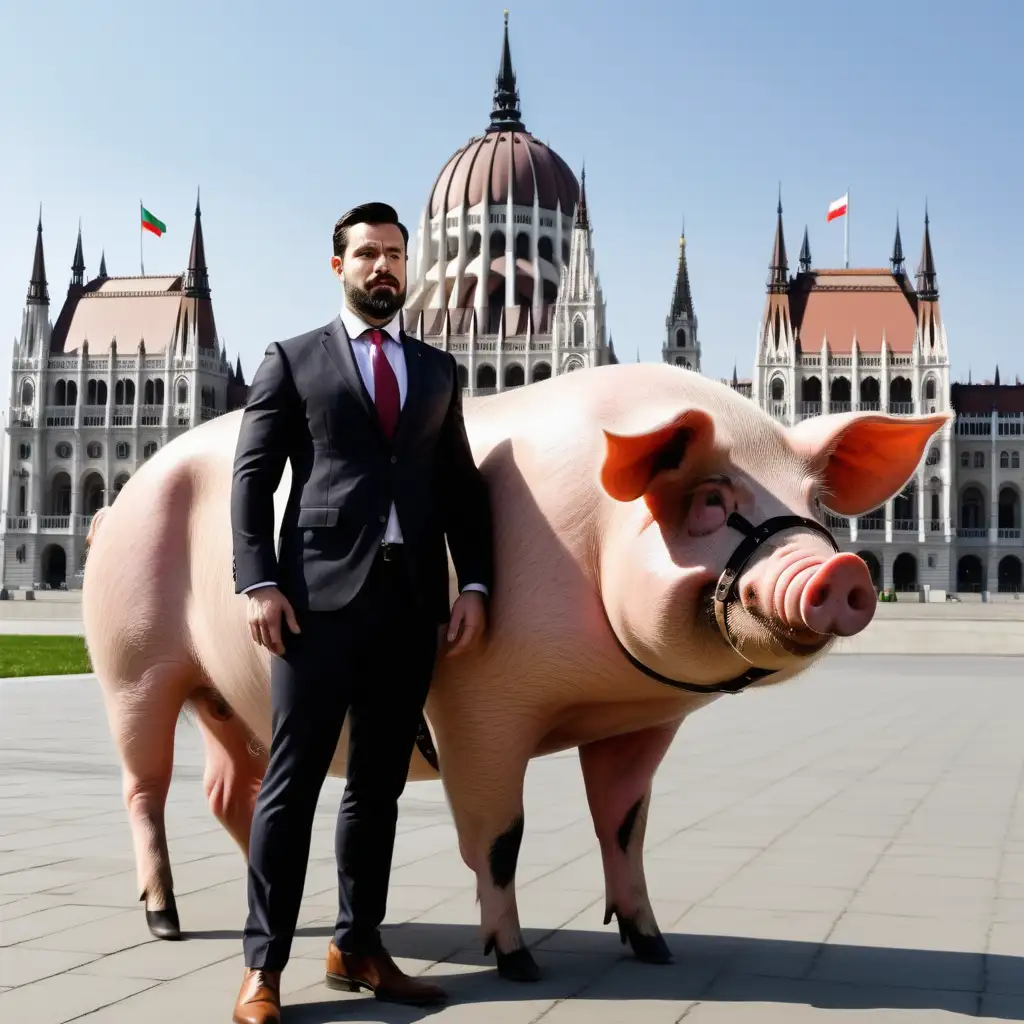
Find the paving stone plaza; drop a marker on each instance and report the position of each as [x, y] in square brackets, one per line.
[847, 847]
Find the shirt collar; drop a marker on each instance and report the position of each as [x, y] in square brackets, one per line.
[356, 325]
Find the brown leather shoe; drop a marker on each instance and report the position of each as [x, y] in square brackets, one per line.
[378, 973]
[259, 1000]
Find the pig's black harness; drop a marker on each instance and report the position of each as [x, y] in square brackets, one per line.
[754, 537]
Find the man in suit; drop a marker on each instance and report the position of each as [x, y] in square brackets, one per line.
[352, 604]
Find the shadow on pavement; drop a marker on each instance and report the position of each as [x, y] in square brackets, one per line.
[586, 965]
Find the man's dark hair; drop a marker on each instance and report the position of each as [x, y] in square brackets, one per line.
[367, 213]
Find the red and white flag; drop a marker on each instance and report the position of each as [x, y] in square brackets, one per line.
[838, 208]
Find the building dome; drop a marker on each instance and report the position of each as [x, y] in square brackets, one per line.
[500, 161]
[495, 231]
[506, 159]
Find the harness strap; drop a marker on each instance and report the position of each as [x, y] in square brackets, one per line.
[754, 537]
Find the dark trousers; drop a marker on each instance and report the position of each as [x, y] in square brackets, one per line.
[372, 660]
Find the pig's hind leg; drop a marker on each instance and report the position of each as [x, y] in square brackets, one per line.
[143, 706]
[618, 773]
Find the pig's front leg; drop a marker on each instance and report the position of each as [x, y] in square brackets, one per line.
[618, 773]
[483, 778]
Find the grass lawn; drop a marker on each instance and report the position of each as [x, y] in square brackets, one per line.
[42, 655]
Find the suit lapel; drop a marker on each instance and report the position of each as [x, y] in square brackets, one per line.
[338, 347]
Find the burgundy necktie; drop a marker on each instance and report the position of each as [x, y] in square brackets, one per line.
[385, 384]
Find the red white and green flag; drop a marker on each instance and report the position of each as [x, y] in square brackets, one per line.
[151, 223]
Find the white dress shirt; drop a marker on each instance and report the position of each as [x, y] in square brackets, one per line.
[362, 348]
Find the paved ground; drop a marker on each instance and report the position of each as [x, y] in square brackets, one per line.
[849, 847]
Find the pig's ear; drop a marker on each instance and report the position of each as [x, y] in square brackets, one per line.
[864, 459]
[657, 443]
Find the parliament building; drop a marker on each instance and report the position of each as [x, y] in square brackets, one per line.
[131, 362]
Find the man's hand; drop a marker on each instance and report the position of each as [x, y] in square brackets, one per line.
[266, 605]
[469, 614]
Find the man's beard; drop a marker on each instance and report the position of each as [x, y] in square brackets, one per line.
[377, 305]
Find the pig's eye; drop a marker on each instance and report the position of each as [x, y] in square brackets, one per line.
[708, 510]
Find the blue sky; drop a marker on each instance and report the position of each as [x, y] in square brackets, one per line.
[286, 115]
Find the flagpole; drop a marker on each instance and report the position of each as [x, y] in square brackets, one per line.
[142, 265]
[846, 231]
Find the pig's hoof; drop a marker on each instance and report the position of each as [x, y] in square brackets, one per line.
[517, 965]
[164, 924]
[649, 949]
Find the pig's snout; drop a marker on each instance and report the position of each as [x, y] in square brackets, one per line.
[802, 592]
[839, 598]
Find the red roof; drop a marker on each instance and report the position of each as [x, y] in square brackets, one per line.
[841, 305]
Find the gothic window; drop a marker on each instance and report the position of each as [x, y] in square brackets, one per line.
[22, 500]
[929, 389]
[778, 389]
[94, 449]
[24, 450]
[96, 392]
[124, 392]
[545, 250]
[579, 335]
[933, 457]
[149, 450]
[680, 338]
[182, 398]
[153, 392]
[27, 392]
[60, 393]
[965, 460]
[497, 243]
[123, 450]
[1004, 460]
[979, 460]
[522, 246]
[1015, 460]
[63, 450]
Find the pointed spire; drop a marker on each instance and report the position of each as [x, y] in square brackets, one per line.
[38, 293]
[682, 299]
[927, 285]
[897, 259]
[78, 263]
[735, 377]
[197, 280]
[505, 113]
[805, 254]
[239, 379]
[103, 263]
[778, 268]
[582, 217]
[997, 375]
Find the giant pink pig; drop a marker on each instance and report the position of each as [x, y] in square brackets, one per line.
[658, 542]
